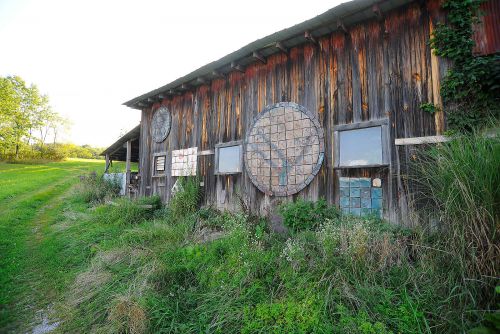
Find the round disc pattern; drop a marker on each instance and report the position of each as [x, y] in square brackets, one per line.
[284, 149]
[161, 123]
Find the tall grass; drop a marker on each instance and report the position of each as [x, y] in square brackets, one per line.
[187, 198]
[94, 188]
[460, 180]
[191, 270]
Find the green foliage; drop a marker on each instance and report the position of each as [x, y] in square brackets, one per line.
[32, 199]
[96, 189]
[306, 215]
[285, 317]
[460, 181]
[186, 200]
[429, 108]
[124, 269]
[470, 90]
[26, 117]
[129, 212]
[491, 323]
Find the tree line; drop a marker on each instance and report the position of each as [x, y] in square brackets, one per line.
[30, 128]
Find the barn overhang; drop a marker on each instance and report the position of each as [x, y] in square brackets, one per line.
[118, 150]
[339, 18]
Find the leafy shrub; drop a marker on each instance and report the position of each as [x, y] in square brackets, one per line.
[285, 317]
[306, 215]
[186, 200]
[95, 189]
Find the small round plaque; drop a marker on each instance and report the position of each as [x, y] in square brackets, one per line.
[160, 126]
[284, 149]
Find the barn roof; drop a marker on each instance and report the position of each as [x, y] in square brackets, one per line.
[335, 19]
[118, 150]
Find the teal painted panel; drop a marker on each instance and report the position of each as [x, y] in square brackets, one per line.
[376, 192]
[344, 192]
[355, 202]
[365, 182]
[376, 203]
[344, 182]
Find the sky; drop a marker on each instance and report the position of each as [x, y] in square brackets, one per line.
[90, 56]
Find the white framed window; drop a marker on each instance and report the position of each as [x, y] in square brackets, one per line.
[364, 144]
[228, 158]
[159, 164]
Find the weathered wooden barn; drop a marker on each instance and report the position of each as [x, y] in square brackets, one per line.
[329, 108]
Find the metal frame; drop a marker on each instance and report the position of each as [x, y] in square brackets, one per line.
[155, 172]
[383, 123]
[228, 144]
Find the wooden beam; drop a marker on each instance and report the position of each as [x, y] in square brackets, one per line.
[310, 37]
[127, 166]
[206, 152]
[106, 168]
[200, 81]
[258, 56]
[185, 87]
[436, 93]
[378, 12]
[421, 140]
[218, 74]
[341, 27]
[281, 47]
[173, 92]
[237, 67]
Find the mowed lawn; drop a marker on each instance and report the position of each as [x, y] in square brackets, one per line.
[33, 265]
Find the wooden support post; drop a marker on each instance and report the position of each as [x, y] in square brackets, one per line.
[237, 67]
[173, 92]
[377, 12]
[106, 167]
[127, 167]
[341, 27]
[310, 37]
[436, 94]
[257, 55]
[281, 47]
[218, 75]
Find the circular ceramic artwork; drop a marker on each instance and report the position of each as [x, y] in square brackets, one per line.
[284, 149]
[161, 124]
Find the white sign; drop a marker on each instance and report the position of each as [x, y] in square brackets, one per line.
[184, 162]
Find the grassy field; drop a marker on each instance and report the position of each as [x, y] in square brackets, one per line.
[70, 257]
[34, 264]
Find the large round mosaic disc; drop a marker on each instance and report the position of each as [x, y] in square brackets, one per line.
[284, 149]
[160, 125]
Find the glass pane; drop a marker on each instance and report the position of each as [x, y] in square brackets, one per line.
[229, 159]
[361, 147]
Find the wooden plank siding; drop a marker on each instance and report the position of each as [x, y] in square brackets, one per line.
[378, 69]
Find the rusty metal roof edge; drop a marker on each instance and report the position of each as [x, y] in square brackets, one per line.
[339, 12]
[132, 134]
